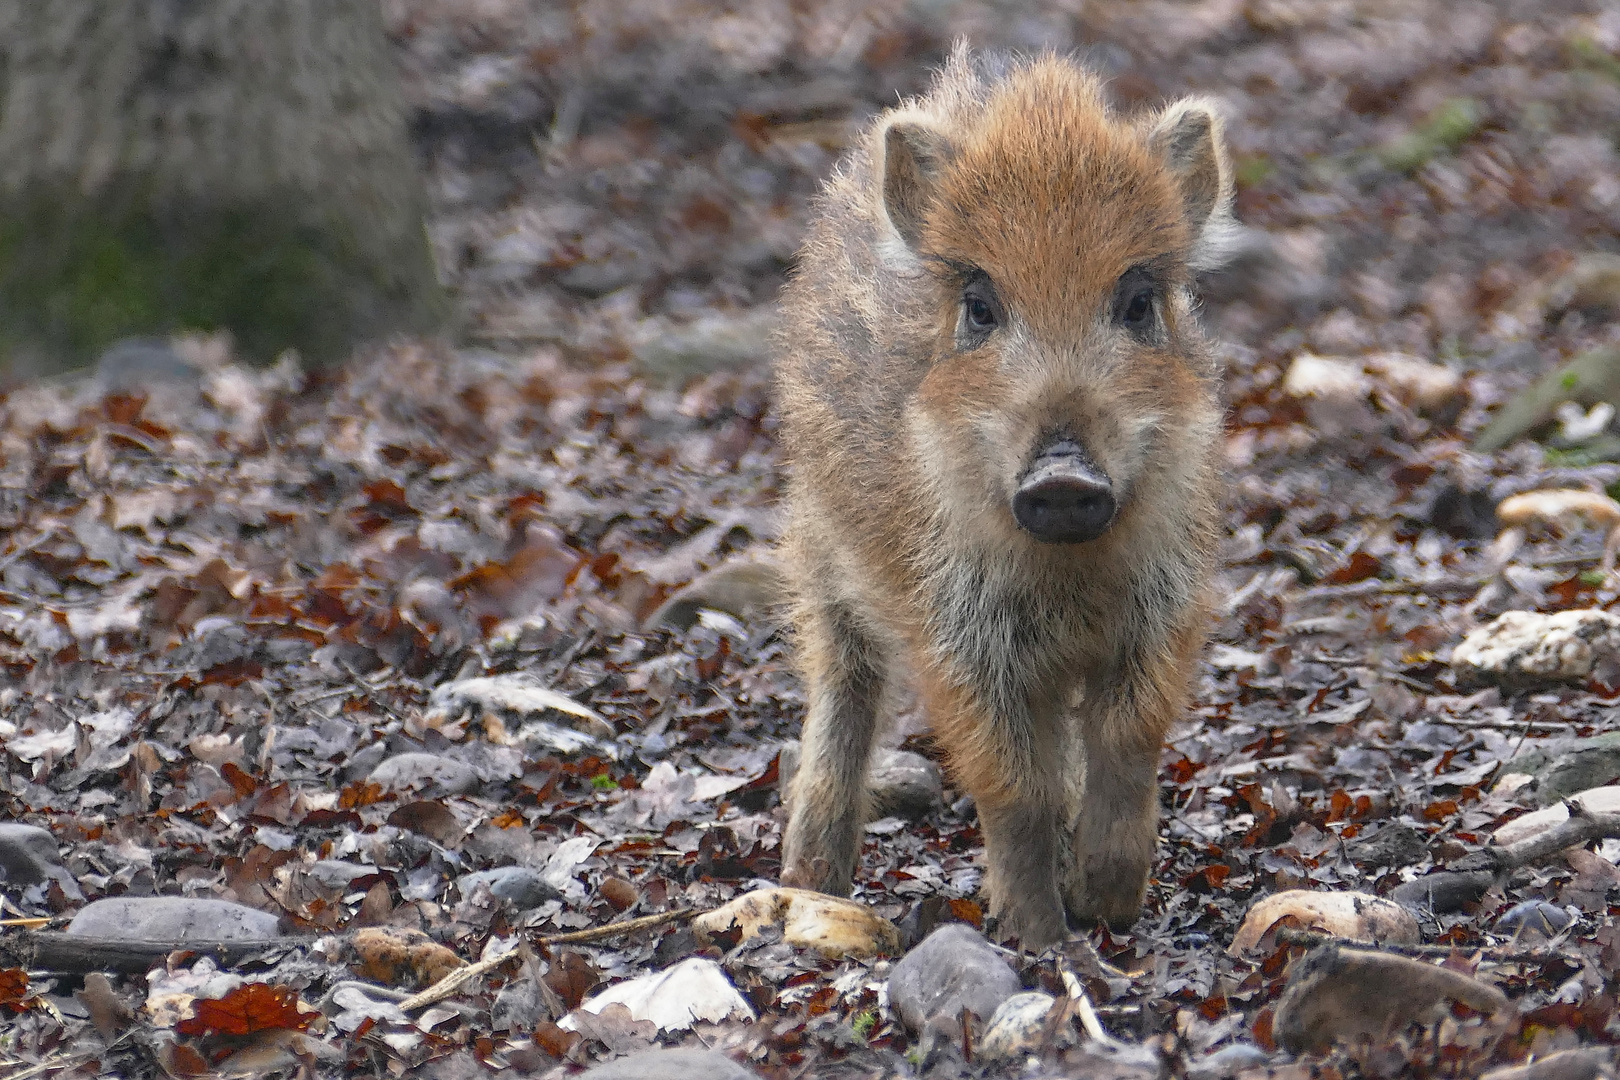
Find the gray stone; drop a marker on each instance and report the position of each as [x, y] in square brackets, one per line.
[518, 1007]
[1566, 768]
[1535, 917]
[1579, 1063]
[429, 774]
[521, 887]
[1228, 1062]
[173, 918]
[744, 587]
[27, 854]
[29, 858]
[679, 1063]
[336, 874]
[902, 784]
[1392, 845]
[1018, 1027]
[950, 969]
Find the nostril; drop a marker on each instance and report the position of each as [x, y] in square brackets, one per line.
[1064, 500]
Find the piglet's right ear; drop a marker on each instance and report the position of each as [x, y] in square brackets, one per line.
[913, 156]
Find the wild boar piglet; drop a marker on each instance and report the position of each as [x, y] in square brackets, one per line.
[1001, 421]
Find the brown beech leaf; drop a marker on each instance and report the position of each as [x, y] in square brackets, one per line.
[248, 1008]
[13, 984]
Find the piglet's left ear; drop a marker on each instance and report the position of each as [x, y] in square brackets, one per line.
[1188, 136]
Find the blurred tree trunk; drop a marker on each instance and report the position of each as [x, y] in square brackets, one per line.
[204, 164]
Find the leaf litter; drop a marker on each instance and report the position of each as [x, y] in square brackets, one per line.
[540, 562]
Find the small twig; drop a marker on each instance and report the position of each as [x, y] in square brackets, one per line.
[453, 981]
[598, 933]
[1082, 1005]
[1523, 735]
[61, 1061]
[22, 548]
[1310, 939]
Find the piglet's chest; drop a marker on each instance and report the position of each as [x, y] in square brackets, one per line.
[994, 621]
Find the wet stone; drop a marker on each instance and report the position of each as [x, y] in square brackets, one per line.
[1534, 917]
[680, 1063]
[28, 857]
[337, 874]
[951, 969]
[429, 774]
[1568, 767]
[519, 886]
[27, 854]
[173, 918]
[1228, 1061]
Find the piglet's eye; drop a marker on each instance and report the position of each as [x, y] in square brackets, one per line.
[1134, 299]
[1138, 310]
[980, 315]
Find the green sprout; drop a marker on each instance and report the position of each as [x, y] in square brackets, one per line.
[1447, 128]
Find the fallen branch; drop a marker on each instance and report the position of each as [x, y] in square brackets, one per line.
[77, 954]
[452, 982]
[1310, 939]
[1581, 828]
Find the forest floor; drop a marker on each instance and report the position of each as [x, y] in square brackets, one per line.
[224, 604]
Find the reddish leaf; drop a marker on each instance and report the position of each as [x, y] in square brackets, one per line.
[250, 1007]
[571, 977]
[1440, 810]
[1360, 567]
[554, 1040]
[1262, 1031]
[13, 984]
[244, 784]
[967, 911]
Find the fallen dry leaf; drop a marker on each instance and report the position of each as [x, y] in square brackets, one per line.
[398, 957]
[249, 1008]
[836, 927]
[1353, 915]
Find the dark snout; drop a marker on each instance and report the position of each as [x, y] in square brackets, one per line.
[1064, 498]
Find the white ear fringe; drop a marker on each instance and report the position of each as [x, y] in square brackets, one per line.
[1217, 242]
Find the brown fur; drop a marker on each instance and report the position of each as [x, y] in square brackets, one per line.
[1049, 671]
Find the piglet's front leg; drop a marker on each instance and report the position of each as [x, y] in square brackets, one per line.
[827, 806]
[1011, 765]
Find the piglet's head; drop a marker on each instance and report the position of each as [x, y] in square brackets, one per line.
[1056, 244]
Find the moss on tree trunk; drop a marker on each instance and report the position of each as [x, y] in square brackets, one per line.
[204, 164]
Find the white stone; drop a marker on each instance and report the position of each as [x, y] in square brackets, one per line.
[1527, 645]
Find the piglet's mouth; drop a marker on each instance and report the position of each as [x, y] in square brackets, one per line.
[1064, 497]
